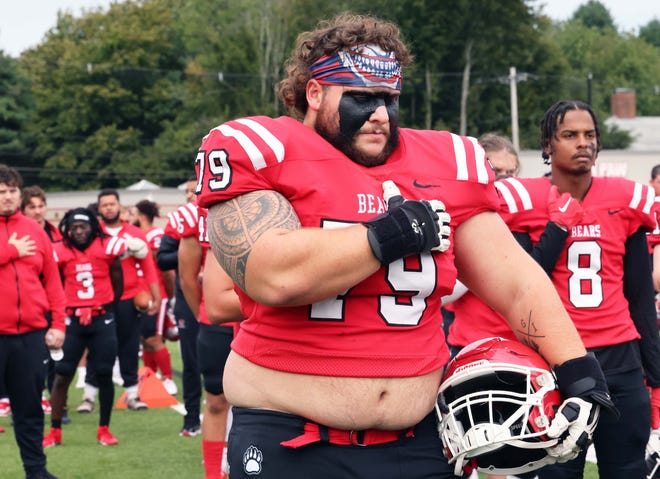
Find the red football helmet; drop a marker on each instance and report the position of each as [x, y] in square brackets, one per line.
[170, 329]
[500, 398]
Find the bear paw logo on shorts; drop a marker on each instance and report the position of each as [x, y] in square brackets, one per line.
[252, 459]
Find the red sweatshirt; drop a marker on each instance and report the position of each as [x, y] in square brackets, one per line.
[31, 285]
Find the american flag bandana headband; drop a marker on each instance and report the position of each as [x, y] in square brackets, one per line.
[362, 66]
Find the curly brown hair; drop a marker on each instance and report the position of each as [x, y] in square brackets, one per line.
[331, 36]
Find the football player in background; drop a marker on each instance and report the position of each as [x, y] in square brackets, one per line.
[603, 278]
[474, 319]
[155, 354]
[89, 261]
[332, 225]
[184, 221]
[137, 270]
[213, 340]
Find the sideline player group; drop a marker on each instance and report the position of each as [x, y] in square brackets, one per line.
[332, 236]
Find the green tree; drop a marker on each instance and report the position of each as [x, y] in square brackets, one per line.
[104, 84]
[650, 33]
[16, 109]
[615, 60]
[594, 14]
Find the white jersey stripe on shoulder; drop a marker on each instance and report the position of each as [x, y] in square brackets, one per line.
[480, 158]
[650, 199]
[248, 146]
[189, 213]
[641, 202]
[115, 246]
[270, 139]
[636, 197]
[507, 196]
[523, 194]
[461, 160]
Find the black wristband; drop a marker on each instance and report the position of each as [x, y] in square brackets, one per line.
[583, 377]
[391, 237]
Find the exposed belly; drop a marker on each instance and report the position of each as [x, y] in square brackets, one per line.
[339, 402]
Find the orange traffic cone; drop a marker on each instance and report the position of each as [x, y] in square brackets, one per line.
[150, 390]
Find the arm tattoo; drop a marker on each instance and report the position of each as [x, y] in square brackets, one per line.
[529, 333]
[235, 225]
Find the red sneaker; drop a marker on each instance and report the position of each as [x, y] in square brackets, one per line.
[105, 437]
[53, 438]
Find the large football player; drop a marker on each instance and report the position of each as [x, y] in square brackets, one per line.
[603, 278]
[333, 227]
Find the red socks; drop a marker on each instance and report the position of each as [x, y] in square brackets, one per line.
[164, 363]
[149, 360]
[212, 457]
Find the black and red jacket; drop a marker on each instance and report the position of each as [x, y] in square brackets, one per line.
[31, 285]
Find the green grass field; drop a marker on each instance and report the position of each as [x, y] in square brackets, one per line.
[149, 444]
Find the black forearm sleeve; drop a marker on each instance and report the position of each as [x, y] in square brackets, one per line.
[167, 256]
[547, 250]
[638, 290]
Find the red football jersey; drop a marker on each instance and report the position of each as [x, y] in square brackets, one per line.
[203, 238]
[389, 324]
[183, 222]
[474, 320]
[171, 228]
[137, 272]
[87, 273]
[589, 272]
[653, 237]
[153, 237]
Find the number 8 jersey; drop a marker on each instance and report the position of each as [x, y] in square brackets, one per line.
[389, 324]
[589, 272]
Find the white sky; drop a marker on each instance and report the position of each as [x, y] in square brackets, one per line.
[23, 23]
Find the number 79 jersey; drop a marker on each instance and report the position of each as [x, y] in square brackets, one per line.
[389, 324]
[589, 272]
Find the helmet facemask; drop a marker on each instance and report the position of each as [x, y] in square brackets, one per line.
[498, 411]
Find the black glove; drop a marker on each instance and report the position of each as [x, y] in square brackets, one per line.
[408, 227]
[582, 385]
[582, 377]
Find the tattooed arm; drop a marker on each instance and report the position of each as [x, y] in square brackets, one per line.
[258, 240]
[525, 295]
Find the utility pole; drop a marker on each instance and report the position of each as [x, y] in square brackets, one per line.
[590, 77]
[514, 108]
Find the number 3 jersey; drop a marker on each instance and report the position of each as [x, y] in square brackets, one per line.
[589, 272]
[389, 324]
[87, 273]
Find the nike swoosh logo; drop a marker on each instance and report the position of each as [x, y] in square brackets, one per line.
[420, 185]
[613, 212]
[562, 209]
[107, 321]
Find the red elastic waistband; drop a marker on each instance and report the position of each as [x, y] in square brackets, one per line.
[98, 311]
[313, 432]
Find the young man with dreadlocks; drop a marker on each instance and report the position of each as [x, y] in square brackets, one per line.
[89, 262]
[603, 277]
